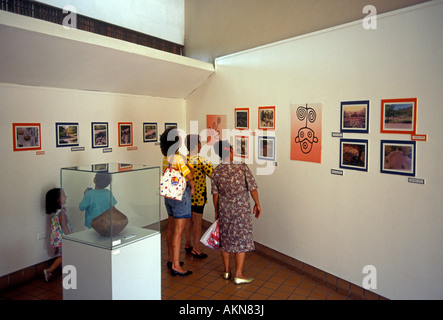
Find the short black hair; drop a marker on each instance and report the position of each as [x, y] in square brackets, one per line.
[169, 141]
[53, 200]
[192, 141]
[102, 180]
[222, 149]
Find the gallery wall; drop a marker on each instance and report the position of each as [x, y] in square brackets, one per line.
[27, 176]
[342, 223]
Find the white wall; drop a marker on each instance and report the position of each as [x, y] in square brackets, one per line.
[163, 19]
[26, 177]
[340, 224]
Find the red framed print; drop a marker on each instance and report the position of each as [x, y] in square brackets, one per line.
[399, 116]
[26, 136]
[266, 118]
[241, 147]
[125, 134]
[242, 118]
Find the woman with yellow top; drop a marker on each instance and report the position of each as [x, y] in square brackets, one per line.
[202, 169]
[178, 211]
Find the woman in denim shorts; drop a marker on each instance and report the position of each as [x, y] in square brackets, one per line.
[178, 211]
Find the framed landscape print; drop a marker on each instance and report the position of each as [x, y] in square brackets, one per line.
[125, 134]
[354, 154]
[399, 116]
[398, 157]
[354, 116]
[266, 118]
[242, 118]
[66, 134]
[26, 136]
[150, 132]
[100, 134]
[241, 147]
[266, 148]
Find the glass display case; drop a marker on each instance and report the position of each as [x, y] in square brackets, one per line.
[111, 205]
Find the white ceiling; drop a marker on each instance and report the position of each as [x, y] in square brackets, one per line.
[38, 53]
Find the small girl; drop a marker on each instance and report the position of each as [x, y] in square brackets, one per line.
[60, 225]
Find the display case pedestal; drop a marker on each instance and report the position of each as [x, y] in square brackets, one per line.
[129, 271]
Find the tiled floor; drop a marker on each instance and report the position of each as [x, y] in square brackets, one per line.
[273, 281]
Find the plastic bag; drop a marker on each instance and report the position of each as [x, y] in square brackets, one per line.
[211, 238]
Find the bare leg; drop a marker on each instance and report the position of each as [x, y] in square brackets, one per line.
[169, 234]
[197, 231]
[225, 257]
[55, 264]
[179, 227]
[188, 232]
[239, 262]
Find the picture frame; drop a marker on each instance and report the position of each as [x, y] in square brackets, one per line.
[150, 132]
[67, 134]
[100, 134]
[354, 116]
[398, 157]
[241, 147]
[215, 125]
[125, 134]
[26, 136]
[170, 124]
[354, 154]
[399, 116]
[266, 148]
[266, 118]
[242, 118]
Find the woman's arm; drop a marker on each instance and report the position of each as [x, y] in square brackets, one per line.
[215, 200]
[257, 208]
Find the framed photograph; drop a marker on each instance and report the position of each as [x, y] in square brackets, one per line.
[354, 116]
[26, 136]
[266, 118]
[242, 118]
[150, 132]
[398, 157]
[125, 134]
[354, 154]
[100, 136]
[266, 148]
[170, 124]
[66, 134]
[241, 147]
[215, 124]
[399, 116]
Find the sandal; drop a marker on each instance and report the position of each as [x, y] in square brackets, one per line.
[188, 248]
[200, 255]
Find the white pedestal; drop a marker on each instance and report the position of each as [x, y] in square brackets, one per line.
[129, 271]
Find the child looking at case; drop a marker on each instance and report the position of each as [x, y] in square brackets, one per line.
[98, 200]
[60, 225]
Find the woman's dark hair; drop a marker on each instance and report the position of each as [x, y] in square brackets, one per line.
[102, 180]
[53, 200]
[192, 141]
[222, 149]
[169, 141]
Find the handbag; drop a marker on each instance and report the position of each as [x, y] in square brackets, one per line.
[211, 238]
[172, 184]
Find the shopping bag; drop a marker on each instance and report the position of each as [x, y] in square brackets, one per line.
[172, 184]
[211, 238]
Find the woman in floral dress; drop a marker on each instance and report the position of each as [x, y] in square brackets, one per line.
[231, 184]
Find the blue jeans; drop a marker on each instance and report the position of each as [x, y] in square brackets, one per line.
[180, 209]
